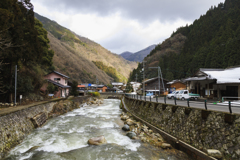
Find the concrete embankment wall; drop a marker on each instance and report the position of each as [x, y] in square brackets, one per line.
[15, 126]
[198, 128]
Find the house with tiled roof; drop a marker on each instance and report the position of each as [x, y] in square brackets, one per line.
[215, 83]
[59, 80]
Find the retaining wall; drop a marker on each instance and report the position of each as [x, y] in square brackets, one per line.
[199, 128]
[15, 126]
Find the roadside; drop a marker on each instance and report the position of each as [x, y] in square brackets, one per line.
[4, 111]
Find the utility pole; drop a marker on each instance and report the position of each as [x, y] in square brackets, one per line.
[15, 85]
[96, 83]
[162, 78]
[159, 74]
[134, 88]
[143, 77]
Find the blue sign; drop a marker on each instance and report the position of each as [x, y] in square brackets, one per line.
[89, 84]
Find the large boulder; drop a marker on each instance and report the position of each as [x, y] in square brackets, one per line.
[97, 140]
[124, 117]
[144, 139]
[166, 145]
[130, 122]
[126, 128]
[214, 153]
[131, 134]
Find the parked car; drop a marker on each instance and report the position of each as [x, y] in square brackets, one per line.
[150, 94]
[172, 95]
[184, 94]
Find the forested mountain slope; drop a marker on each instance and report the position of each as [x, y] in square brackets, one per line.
[84, 52]
[140, 55]
[212, 41]
[126, 54]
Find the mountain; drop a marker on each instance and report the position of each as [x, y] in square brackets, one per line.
[75, 55]
[138, 56]
[126, 54]
[212, 41]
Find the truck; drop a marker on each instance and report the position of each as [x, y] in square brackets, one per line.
[184, 94]
[150, 94]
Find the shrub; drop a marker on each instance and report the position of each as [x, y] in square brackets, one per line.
[94, 94]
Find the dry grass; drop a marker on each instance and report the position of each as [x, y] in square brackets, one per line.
[67, 61]
[76, 61]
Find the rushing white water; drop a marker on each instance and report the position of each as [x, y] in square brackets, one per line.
[66, 136]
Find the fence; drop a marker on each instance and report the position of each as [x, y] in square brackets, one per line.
[226, 106]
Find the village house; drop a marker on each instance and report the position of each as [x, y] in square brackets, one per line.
[117, 84]
[176, 85]
[57, 79]
[82, 89]
[101, 88]
[215, 83]
[152, 85]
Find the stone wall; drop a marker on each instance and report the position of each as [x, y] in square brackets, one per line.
[15, 126]
[199, 128]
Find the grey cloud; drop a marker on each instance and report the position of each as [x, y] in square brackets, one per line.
[126, 40]
[140, 10]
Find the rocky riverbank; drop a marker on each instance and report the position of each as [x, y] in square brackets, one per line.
[139, 131]
[16, 125]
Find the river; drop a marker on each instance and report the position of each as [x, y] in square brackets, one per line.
[65, 138]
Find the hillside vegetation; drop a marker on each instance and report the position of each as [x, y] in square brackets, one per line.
[212, 41]
[109, 71]
[23, 42]
[140, 55]
[67, 61]
[79, 53]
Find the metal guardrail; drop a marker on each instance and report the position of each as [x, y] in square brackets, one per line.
[205, 103]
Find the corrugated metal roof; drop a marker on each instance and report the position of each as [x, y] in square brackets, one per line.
[58, 84]
[101, 86]
[195, 78]
[58, 74]
[149, 80]
[229, 75]
[222, 76]
[117, 83]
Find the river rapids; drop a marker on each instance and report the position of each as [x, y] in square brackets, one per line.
[65, 138]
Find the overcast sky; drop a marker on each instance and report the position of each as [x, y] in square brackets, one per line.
[123, 25]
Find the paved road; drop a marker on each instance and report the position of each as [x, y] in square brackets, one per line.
[197, 104]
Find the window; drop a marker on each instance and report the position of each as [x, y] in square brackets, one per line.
[65, 81]
[185, 92]
[57, 79]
